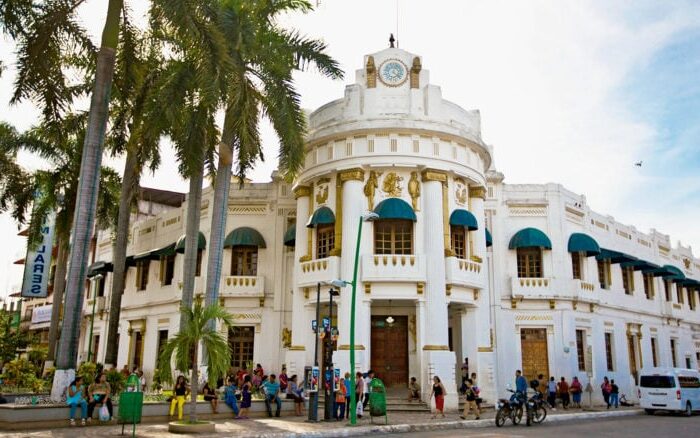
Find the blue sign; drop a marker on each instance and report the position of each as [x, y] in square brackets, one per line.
[314, 325]
[326, 323]
[37, 264]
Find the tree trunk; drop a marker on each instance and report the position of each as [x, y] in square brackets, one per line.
[129, 185]
[219, 214]
[194, 385]
[86, 201]
[194, 202]
[59, 283]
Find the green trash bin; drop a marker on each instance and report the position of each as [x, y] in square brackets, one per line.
[377, 399]
[131, 404]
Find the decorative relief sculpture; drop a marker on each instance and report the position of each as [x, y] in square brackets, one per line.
[370, 186]
[461, 192]
[414, 190]
[392, 184]
[371, 71]
[322, 194]
[286, 338]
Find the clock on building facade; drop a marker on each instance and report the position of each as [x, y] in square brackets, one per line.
[393, 72]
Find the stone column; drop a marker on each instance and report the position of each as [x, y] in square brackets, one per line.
[296, 353]
[437, 359]
[476, 206]
[352, 206]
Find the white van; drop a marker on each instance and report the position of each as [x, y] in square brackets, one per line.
[669, 389]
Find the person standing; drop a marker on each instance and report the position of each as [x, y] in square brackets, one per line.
[552, 393]
[347, 398]
[272, 390]
[563, 388]
[296, 392]
[576, 391]
[179, 393]
[477, 391]
[284, 380]
[614, 394]
[439, 392]
[359, 392]
[367, 382]
[542, 387]
[246, 396]
[520, 382]
[76, 397]
[340, 399]
[606, 388]
[470, 404]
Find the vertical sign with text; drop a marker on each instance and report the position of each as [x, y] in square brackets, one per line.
[37, 265]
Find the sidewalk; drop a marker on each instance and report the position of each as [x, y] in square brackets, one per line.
[296, 426]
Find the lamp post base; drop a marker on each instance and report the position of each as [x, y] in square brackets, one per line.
[313, 407]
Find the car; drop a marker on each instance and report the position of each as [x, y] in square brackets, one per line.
[669, 389]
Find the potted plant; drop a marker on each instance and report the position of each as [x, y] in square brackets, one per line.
[199, 328]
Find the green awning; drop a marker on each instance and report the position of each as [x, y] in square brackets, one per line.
[290, 236]
[395, 208]
[615, 256]
[322, 216]
[690, 283]
[579, 242]
[489, 238]
[165, 251]
[244, 236]
[201, 243]
[463, 218]
[530, 238]
[675, 273]
[641, 265]
[100, 267]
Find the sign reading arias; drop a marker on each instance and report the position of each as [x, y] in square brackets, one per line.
[38, 262]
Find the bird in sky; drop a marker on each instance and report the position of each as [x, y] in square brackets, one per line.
[638, 163]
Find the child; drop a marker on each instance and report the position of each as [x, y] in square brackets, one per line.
[340, 397]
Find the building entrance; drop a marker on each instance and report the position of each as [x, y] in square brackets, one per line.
[533, 343]
[389, 354]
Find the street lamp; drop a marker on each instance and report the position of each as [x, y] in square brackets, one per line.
[367, 217]
[328, 360]
[95, 280]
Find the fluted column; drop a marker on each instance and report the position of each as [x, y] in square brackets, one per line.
[476, 206]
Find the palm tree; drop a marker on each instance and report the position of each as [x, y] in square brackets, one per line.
[185, 347]
[59, 144]
[260, 84]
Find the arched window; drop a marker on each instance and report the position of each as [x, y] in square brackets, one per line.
[323, 220]
[529, 244]
[458, 239]
[244, 243]
[461, 222]
[529, 262]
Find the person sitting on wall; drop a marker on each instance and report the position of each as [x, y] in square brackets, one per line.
[272, 389]
[230, 397]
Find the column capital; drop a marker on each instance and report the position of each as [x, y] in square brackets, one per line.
[354, 174]
[433, 175]
[477, 192]
[436, 348]
[302, 191]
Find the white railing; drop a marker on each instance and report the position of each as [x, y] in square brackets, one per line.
[532, 287]
[319, 271]
[393, 268]
[463, 272]
[243, 286]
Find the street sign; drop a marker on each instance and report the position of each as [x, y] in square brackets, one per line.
[314, 325]
[326, 323]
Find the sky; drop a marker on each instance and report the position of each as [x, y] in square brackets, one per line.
[571, 92]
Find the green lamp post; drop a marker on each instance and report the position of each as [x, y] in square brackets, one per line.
[367, 217]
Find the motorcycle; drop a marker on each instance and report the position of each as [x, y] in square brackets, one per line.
[510, 409]
[536, 407]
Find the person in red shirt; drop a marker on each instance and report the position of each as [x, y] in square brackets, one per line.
[563, 389]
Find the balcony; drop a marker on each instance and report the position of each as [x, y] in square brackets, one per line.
[532, 288]
[243, 286]
[463, 272]
[585, 291]
[318, 271]
[393, 268]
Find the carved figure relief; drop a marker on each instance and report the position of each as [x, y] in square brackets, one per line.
[370, 186]
[686, 262]
[286, 338]
[414, 190]
[461, 192]
[392, 184]
[412, 330]
[371, 70]
[322, 194]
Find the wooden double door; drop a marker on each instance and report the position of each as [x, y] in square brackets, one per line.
[389, 350]
[535, 357]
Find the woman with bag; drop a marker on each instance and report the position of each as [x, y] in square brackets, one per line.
[75, 398]
[576, 391]
[439, 392]
[359, 393]
[99, 394]
[607, 389]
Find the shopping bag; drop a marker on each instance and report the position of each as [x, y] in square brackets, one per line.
[103, 413]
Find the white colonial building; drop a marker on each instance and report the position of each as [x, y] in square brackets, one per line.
[457, 264]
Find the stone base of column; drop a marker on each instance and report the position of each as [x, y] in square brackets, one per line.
[61, 380]
[295, 360]
[440, 363]
[341, 359]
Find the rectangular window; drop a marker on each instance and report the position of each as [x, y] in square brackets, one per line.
[628, 280]
[167, 264]
[101, 286]
[691, 298]
[162, 339]
[138, 350]
[654, 357]
[393, 237]
[394, 145]
[687, 365]
[241, 339]
[673, 353]
[581, 349]
[576, 265]
[325, 240]
[688, 381]
[667, 290]
[604, 273]
[609, 352]
[458, 236]
[142, 267]
[95, 346]
[649, 286]
[529, 262]
[679, 293]
[657, 382]
[244, 260]
[198, 270]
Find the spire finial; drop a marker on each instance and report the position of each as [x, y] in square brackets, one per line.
[391, 40]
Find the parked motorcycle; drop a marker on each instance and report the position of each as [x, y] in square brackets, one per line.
[537, 408]
[510, 409]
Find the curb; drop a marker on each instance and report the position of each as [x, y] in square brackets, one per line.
[428, 427]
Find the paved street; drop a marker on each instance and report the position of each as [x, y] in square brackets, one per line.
[633, 427]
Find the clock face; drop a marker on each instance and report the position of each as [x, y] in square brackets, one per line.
[393, 72]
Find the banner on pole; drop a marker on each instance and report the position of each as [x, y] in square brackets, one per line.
[37, 264]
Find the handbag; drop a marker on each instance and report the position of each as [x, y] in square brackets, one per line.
[104, 413]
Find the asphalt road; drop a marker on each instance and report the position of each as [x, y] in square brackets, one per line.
[622, 427]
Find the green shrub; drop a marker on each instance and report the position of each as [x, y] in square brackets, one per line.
[21, 373]
[88, 372]
[116, 381]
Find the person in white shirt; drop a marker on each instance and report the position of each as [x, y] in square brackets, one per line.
[367, 381]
